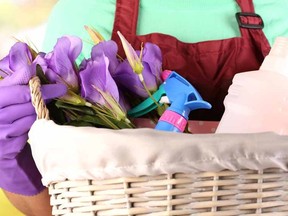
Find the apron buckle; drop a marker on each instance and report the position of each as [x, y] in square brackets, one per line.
[249, 20]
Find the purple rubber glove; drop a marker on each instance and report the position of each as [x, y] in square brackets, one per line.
[18, 172]
[17, 168]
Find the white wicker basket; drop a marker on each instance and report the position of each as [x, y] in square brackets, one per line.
[220, 191]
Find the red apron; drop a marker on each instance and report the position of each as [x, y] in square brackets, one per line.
[209, 66]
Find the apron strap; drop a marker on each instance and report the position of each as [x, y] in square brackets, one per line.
[126, 17]
[251, 25]
[246, 5]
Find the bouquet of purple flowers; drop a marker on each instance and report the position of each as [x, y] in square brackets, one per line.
[101, 89]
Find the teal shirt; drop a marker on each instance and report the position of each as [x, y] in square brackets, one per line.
[188, 20]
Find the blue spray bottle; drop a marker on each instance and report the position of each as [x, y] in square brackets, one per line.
[183, 98]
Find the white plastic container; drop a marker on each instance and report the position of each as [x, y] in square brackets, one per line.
[257, 101]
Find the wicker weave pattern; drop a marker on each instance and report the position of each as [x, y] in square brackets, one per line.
[223, 193]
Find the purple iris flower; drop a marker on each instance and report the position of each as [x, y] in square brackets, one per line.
[59, 65]
[109, 49]
[96, 80]
[18, 66]
[152, 62]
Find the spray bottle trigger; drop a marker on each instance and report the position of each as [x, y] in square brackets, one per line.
[195, 101]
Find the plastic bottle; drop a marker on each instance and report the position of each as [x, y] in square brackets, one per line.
[257, 101]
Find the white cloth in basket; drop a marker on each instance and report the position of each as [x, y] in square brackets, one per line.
[76, 153]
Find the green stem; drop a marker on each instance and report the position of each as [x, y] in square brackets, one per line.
[106, 120]
[147, 90]
[106, 115]
[129, 123]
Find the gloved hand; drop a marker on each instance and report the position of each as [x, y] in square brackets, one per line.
[18, 172]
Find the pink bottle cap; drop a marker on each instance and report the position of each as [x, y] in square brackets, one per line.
[174, 119]
[165, 74]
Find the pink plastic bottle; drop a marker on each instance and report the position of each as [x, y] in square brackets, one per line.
[257, 101]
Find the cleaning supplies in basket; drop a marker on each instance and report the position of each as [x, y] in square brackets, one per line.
[257, 101]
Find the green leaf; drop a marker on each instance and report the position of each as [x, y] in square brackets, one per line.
[82, 109]
[161, 109]
[56, 114]
[80, 124]
[92, 119]
[122, 123]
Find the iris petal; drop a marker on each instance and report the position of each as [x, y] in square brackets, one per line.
[109, 49]
[129, 80]
[96, 76]
[132, 57]
[152, 67]
[59, 65]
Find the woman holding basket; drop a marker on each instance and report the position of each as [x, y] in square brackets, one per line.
[207, 42]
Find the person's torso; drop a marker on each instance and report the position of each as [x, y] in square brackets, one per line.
[188, 20]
